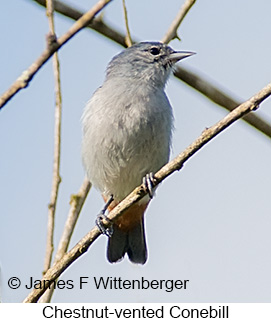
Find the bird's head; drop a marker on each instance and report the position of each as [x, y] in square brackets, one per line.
[146, 62]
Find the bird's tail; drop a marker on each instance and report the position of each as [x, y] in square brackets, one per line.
[132, 242]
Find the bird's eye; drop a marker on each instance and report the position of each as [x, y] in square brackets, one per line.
[155, 50]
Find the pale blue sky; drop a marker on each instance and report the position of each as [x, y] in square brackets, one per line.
[210, 223]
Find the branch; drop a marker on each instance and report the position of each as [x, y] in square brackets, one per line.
[28, 74]
[128, 38]
[96, 24]
[172, 31]
[57, 141]
[219, 97]
[176, 164]
[195, 81]
[76, 203]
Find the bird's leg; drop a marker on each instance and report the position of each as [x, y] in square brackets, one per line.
[101, 216]
[148, 183]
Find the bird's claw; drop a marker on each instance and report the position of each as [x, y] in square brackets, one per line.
[148, 182]
[99, 222]
[101, 216]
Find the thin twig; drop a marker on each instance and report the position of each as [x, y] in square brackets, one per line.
[197, 82]
[128, 38]
[172, 31]
[176, 164]
[28, 74]
[76, 203]
[57, 141]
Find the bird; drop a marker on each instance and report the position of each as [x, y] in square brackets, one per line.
[127, 130]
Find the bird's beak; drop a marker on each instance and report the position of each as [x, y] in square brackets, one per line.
[177, 56]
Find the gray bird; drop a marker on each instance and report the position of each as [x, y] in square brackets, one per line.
[127, 129]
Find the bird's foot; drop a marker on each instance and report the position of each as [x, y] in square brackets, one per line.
[148, 183]
[101, 217]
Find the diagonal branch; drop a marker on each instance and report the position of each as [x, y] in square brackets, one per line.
[176, 164]
[219, 97]
[172, 31]
[96, 24]
[28, 74]
[76, 203]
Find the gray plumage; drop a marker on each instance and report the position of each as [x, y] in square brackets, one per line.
[127, 128]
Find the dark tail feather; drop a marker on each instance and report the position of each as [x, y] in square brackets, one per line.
[117, 245]
[137, 248]
[133, 242]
